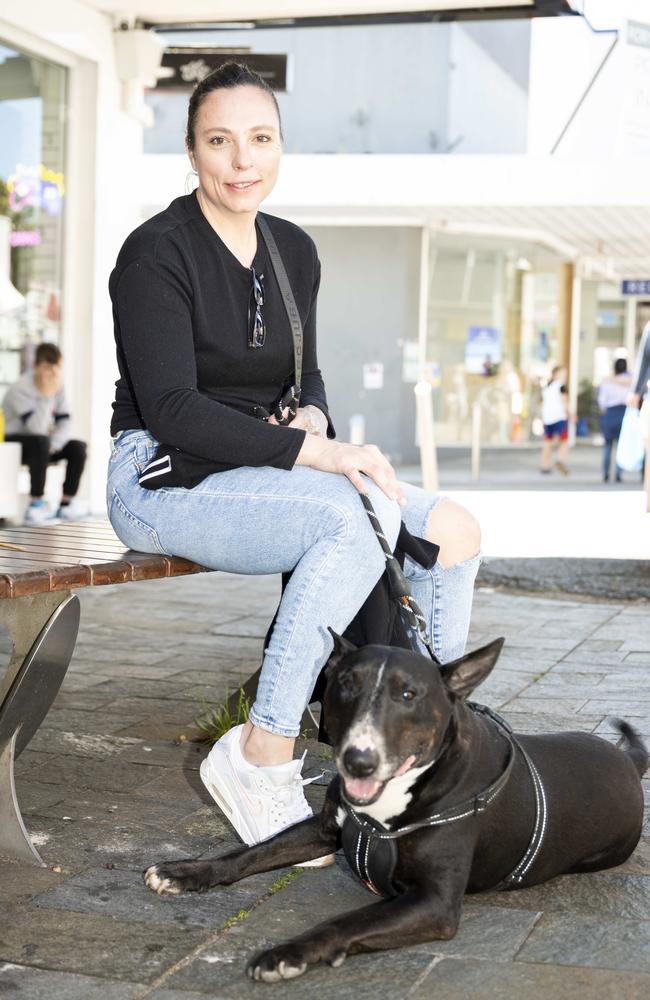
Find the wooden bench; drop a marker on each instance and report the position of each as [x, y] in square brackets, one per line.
[39, 567]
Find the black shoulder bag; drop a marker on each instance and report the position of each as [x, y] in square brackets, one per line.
[175, 467]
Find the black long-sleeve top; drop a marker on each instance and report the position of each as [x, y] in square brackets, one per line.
[180, 307]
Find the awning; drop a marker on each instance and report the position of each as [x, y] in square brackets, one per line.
[287, 13]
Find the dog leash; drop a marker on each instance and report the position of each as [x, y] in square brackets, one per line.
[399, 585]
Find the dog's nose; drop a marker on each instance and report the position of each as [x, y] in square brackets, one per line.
[360, 763]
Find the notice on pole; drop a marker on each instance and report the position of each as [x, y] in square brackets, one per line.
[482, 349]
[373, 375]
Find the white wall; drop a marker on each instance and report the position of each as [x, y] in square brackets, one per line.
[614, 118]
[488, 107]
[344, 185]
[103, 204]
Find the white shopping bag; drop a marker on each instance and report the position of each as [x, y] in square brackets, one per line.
[630, 450]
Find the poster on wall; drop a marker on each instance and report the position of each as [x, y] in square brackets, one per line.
[373, 375]
[482, 349]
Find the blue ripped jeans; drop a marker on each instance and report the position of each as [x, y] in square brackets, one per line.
[266, 520]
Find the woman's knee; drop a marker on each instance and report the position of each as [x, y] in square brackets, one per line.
[456, 531]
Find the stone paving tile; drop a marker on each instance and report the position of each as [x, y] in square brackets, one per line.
[524, 654]
[363, 977]
[124, 896]
[92, 944]
[627, 706]
[27, 983]
[79, 744]
[123, 809]
[99, 723]
[171, 687]
[85, 700]
[559, 939]
[591, 895]
[31, 761]
[641, 723]
[538, 722]
[452, 979]
[32, 795]
[76, 843]
[608, 659]
[550, 706]
[501, 687]
[143, 708]
[21, 880]
[112, 775]
[531, 668]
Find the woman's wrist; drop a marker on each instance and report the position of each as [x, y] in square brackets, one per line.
[313, 450]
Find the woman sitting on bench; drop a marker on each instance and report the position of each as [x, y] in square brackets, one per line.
[204, 345]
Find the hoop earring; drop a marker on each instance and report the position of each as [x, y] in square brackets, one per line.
[190, 178]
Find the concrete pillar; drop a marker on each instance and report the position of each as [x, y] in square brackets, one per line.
[630, 331]
[567, 275]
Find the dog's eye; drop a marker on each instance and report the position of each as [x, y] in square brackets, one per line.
[408, 694]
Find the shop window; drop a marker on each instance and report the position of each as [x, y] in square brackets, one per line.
[32, 200]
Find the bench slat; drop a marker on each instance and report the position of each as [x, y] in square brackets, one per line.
[41, 559]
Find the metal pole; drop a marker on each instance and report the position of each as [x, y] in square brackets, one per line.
[476, 441]
[426, 435]
[574, 348]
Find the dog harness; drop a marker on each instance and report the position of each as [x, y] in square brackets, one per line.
[372, 851]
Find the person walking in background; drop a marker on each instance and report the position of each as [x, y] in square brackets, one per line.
[555, 417]
[37, 417]
[612, 397]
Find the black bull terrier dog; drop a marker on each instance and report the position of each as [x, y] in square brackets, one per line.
[435, 797]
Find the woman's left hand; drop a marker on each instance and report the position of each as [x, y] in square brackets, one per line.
[308, 418]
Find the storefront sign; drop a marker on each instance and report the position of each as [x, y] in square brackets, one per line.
[482, 349]
[640, 286]
[189, 66]
[638, 34]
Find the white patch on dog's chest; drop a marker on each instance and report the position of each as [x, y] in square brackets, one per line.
[395, 797]
[340, 816]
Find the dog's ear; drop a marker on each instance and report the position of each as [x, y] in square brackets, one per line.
[463, 675]
[341, 648]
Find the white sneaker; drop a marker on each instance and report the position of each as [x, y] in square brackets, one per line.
[38, 512]
[73, 511]
[258, 801]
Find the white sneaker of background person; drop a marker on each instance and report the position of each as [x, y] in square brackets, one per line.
[38, 512]
[258, 801]
[73, 511]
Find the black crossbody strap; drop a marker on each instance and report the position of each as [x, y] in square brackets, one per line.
[289, 303]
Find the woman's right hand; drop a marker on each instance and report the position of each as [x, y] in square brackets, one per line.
[352, 460]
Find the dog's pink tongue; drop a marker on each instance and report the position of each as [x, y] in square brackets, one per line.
[361, 789]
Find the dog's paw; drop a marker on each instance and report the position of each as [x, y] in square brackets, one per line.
[176, 877]
[288, 961]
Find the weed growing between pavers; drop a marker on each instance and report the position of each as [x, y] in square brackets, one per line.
[216, 722]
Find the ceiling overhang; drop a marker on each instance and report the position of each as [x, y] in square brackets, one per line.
[316, 13]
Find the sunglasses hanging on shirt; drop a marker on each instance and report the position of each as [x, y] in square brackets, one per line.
[256, 326]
